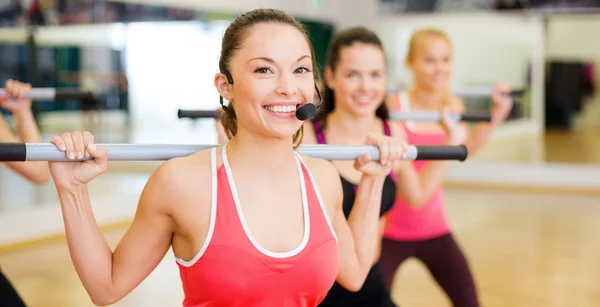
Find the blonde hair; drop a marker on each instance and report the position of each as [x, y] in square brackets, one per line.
[417, 37]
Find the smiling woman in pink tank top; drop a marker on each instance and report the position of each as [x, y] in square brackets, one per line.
[252, 223]
[417, 225]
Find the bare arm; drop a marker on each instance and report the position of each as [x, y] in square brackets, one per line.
[27, 129]
[378, 249]
[502, 105]
[359, 237]
[109, 276]
[478, 136]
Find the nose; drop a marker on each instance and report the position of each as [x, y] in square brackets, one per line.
[442, 66]
[364, 84]
[286, 85]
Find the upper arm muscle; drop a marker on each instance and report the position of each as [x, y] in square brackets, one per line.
[149, 236]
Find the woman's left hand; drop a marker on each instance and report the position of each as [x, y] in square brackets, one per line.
[502, 103]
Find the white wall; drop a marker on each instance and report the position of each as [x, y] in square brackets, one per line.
[574, 37]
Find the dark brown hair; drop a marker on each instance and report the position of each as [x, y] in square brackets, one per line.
[340, 40]
[233, 38]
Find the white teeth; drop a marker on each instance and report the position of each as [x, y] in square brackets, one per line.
[281, 109]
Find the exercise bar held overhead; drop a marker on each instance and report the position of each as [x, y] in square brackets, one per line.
[199, 113]
[416, 116]
[482, 91]
[50, 93]
[145, 152]
[437, 116]
[473, 91]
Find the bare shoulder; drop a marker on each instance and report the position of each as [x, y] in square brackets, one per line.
[397, 130]
[177, 181]
[326, 179]
[391, 101]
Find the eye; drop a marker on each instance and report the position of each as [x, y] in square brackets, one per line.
[303, 70]
[262, 70]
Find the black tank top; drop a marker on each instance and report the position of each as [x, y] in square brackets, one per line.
[373, 292]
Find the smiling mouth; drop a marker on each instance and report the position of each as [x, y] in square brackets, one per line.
[282, 109]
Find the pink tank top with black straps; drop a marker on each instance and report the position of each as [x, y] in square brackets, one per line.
[403, 222]
[232, 269]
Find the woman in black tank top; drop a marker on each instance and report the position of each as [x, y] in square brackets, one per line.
[373, 293]
[356, 69]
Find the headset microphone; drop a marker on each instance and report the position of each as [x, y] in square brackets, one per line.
[309, 110]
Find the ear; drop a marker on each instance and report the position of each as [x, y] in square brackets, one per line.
[329, 78]
[223, 86]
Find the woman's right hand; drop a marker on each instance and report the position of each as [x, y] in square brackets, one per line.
[13, 99]
[457, 133]
[390, 150]
[77, 145]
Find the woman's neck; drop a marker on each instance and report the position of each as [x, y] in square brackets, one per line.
[263, 153]
[425, 98]
[348, 127]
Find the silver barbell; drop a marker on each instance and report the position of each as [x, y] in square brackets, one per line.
[52, 94]
[147, 152]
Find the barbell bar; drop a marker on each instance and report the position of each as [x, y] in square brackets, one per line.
[482, 91]
[50, 93]
[146, 152]
[473, 91]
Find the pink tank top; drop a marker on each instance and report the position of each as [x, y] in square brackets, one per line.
[403, 222]
[232, 269]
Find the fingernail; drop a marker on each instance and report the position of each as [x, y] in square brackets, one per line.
[92, 146]
[87, 154]
[62, 147]
[79, 155]
[72, 155]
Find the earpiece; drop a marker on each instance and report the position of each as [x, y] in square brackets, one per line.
[228, 76]
[305, 112]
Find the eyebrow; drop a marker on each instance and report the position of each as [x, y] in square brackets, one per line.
[272, 61]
